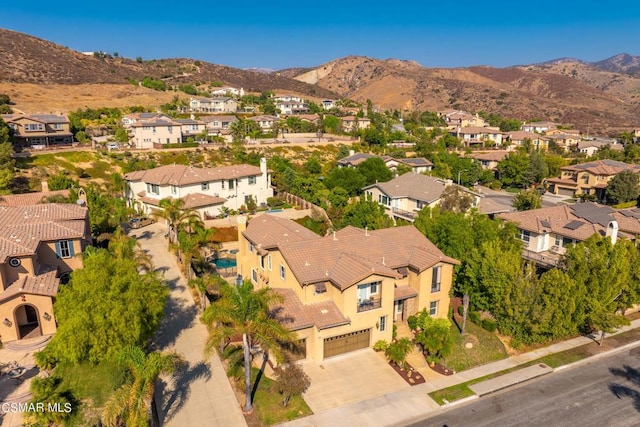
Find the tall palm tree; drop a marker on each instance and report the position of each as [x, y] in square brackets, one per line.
[245, 311]
[174, 212]
[130, 405]
[125, 247]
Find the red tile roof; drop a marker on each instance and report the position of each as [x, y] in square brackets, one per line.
[185, 175]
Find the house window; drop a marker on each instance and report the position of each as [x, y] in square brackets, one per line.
[283, 272]
[262, 262]
[525, 236]
[174, 189]
[205, 186]
[269, 261]
[367, 296]
[153, 189]
[57, 126]
[383, 323]
[252, 180]
[64, 249]
[254, 275]
[420, 204]
[384, 200]
[435, 279]
[231, 184]
[222, 184]
[33, 127]
[170, 129]
[433, 308]
[558, 241]
[250, 246]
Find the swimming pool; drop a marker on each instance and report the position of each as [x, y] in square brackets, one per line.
[225, 262]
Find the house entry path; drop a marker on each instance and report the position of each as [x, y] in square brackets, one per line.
[198, 394]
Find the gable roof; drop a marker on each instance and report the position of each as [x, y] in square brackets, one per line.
[347, 256]
[414, 186]
[30, 198]
[602, 167]
[181, 175]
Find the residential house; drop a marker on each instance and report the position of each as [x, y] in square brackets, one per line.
[565, 140]
[130, 119]
[265, 122]
[191, 128]
[328, 104]
[591, 146]
[155, 132]
[636, 135]
[205, 190]
[39, 130]
[218, 125]
[227, 91]
[344, 291]
[546, 232]
[213, 105]
[417, 164]
[479, 136]
[287, 98]
[539, 127]
[588, 178]
[292, 107]
[404, 196]
[39, 246]
[350, 123]
[490, 160]
[457, 119]
[520, 138]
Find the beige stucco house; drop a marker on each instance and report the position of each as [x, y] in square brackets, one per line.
[479, 136]
[40, 245]
[205, 190]
[344, 291]
[39, 130]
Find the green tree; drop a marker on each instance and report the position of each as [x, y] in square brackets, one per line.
[291, 381]
[374, 170]
[176, 216]
[349, 179]
[537, 170]
[434, 335]
[453, 199]
[332, 124]
[246, 312]
[527, 200]
[623, 187]
[50, 389]
[131, 403]
[513, 168]
[106, 306]
[7, 162]
[366, 214]
[61, 182]
[398, 351]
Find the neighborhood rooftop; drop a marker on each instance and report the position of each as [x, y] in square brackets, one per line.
[185, 175]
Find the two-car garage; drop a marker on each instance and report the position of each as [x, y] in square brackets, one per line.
[345, 343]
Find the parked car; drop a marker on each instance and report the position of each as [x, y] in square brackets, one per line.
[140, 222]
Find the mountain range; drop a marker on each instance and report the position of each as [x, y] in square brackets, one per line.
[603, 96]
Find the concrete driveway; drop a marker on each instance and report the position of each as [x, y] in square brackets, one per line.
[349, 378]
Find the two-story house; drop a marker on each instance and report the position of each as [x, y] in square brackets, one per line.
[218, 125]
[457, 119]
[417, 164]
[539, 127]
[328, 104]
[351, 123]
[213, 105]
[156, 131]
[546, 232]
[588, 178]
[479, 136]
[344, 291]
[292, 107]
[490, 159]
[39, 247]
[265, 122]
[191, 128]
[565, 140]
[404, 196]
[227, 91]
[518, 139]
[205, 190]
[132, 118]
[39, 130]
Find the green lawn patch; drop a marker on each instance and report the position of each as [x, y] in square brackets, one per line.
[268, 404]
[318, 227]
[486, 348]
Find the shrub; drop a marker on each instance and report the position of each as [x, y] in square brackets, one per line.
[461, 310]
[397, 351]
[474, 316]
[380, 345]
[489, 325]
[412, 321]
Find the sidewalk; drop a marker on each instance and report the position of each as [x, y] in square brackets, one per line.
[200, 393]
[400, 407]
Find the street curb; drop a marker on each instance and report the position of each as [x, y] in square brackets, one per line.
[598, 356]
[460, 401]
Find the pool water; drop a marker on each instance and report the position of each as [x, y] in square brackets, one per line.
[225, 262]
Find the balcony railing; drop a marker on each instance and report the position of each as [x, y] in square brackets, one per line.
[544, 259]
[369, 304]
[411, 216]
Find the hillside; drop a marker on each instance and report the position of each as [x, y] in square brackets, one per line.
[27, 59]
[600, 100]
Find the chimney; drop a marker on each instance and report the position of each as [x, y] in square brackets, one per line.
[612, 231]
[263, 166]
[352, 152]
[45, 186]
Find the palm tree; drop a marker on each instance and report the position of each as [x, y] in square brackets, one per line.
[130, 404]
[174, 212]
[125, 247]
[244, 311]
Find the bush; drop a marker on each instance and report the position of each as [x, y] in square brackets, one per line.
[275, 202]
[489, 325]
[412, 321]
[380, 345]
[461, 310]
[397, 351]
[474, 316]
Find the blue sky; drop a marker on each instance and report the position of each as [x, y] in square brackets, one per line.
[288, 33]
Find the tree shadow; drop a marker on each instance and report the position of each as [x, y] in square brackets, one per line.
[179, 315]
[256, 383]
[9, 385]
[174, 398]
[632, 376]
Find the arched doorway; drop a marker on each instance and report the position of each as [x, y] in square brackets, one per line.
[27, 320]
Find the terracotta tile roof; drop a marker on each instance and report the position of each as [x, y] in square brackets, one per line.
[602, 167]
[404, 292]
[30, 198]
[295, 315]
[520, 135]
[24, 227]
[198, 200]
[268, 231]
[412, 185]
[478, 129]
[358, 158]
[492, 156]
[181, 175]
[208, 119]
[578, 222]
[44, 283]
[265, 118]
[353, 254]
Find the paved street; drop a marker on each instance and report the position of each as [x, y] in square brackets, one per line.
[200, 393]
[598, 393]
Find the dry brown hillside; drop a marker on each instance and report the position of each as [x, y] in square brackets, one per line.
[27, 59]
[518, 92]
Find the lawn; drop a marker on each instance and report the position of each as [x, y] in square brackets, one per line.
[486, 348]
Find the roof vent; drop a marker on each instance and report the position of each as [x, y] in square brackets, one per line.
[334, 236]
[324, 311]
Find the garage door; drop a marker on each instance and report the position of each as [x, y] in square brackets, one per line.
[346, 343]
[565, 192]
